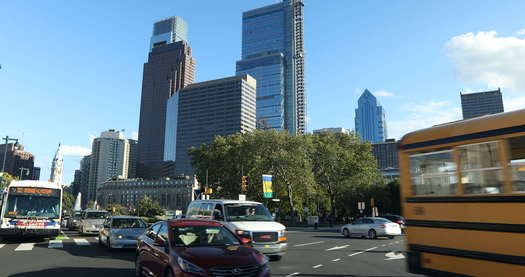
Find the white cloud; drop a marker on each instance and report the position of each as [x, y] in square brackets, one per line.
[520, 32]
[74, 150]
[383, 93]
[135, 135]
[421, 116]
[515, 103]
[91, 139]
[485, 57]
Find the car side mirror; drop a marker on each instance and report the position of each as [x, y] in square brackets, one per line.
[246, 240]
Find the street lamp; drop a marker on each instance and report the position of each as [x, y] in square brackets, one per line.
[7, 140]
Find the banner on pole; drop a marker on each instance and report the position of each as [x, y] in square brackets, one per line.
[267, 186]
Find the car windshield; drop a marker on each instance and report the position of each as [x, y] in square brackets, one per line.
[124, 223]
[247, 212]
[382, 220]
[202, 236]
[96, 215]
[24, 206]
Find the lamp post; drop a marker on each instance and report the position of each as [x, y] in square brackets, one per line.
[7, 140]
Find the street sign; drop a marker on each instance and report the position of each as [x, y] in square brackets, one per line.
[242, 197]
[267, 186]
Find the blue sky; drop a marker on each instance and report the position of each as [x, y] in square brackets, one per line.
[71, 69]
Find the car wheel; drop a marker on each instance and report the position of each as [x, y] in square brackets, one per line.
[108, 244]
[168, 273]
[390, 237]
[100, 241]
[138, 268]
[346, 233]
[275, 258]
[372, 234]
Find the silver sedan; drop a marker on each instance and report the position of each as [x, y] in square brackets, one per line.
[121, 232]
[371, 227]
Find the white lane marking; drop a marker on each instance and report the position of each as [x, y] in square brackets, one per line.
[356, 253]
[370, 249]
[383, 245]
[2, 245]
[25, 247]
[394, 256]
[55, 244]
[81, 241]
[391, 243]
[336, 260]
[293, 274]
[338, 247]
[317, 266]
[310, 243]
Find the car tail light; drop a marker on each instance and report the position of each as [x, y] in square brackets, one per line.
[382, 225]
[399, 221]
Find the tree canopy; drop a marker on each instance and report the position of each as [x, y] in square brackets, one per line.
[315, 172]
[149, 208]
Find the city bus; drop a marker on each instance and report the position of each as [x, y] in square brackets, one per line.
[31, 208]
[463, 197]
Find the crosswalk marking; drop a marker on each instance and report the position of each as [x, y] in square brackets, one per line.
[25, 247]
[55, 244]
[81, 241]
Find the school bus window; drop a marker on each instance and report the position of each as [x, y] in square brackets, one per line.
[517, 163]
[433, 173]
[481, 171]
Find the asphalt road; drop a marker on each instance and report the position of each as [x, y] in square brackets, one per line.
[310, 254]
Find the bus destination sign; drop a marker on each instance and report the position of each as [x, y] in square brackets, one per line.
[35, 191]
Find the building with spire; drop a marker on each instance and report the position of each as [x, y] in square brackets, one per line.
[370, 122]
[57, 167]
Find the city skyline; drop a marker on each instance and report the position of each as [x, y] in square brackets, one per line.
[427, 55]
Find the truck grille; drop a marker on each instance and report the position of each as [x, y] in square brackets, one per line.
[265, 236]
[237, 271]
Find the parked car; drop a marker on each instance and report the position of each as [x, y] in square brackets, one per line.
[91, 221]
[247, 219]
[371, 227]
[397, 219]
[196, 248]
[121, 231]
[74, 221]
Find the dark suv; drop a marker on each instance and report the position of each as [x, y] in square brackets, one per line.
[196, 248]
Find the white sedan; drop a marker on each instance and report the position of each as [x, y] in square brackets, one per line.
[371, 227]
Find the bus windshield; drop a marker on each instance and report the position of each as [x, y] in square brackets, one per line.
[24, 206]
[247, 212]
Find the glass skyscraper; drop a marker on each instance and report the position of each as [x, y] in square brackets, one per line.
[272, 52]
[168, 31]
[370, 121]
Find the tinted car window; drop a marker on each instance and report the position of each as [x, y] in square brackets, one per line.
[199, 236]
[152, 232]
[124, 223]
[382, 220]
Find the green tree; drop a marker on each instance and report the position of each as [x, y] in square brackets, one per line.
[67, 202]
[342, 162]
[117, 209]
[149, 208]
[6, 179]
[90, 204]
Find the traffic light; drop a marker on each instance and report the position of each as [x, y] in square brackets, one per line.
[209, 191]
[244, 184]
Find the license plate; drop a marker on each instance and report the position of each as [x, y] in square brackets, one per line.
[267, 245]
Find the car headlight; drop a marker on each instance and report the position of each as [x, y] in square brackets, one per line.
[282, 233]
[118, 236]
[94, 226]
[188, 267]
[244, 234]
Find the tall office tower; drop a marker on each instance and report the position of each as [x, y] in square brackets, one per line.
[85, 165]
[385, 154]
[57, 167]
[109, 160]
[36, 173]
[170, 67]
[272, 52]
[18, 163]
[370, 121]
[201, 111]
[481, 103]
[132, 167]
[76, 182]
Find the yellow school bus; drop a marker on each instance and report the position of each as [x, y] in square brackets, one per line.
[463, 197]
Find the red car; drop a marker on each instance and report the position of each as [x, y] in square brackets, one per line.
[196, 248]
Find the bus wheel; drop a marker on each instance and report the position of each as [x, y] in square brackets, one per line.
[372, 234]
